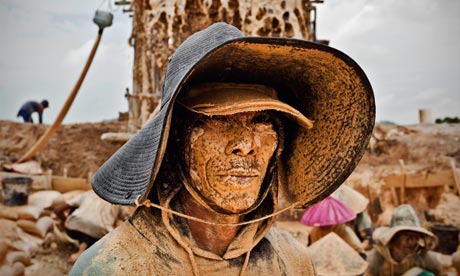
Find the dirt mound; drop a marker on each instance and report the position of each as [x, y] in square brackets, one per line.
[78, 148]
[74, 147]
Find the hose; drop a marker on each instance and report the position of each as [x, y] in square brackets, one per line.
[57, 123]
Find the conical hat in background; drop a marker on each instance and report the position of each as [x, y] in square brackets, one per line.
[352, 198]
[329, 211]
[404, 218]
[331, 255]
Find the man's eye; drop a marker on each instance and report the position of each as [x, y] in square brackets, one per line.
[261, 118]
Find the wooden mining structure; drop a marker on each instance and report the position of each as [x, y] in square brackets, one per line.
[160, 26]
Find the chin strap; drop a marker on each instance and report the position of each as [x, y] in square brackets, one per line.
[148, 203]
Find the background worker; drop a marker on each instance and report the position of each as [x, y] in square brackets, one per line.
[30, 107]
[357, 202]
[331, 215]
[403, 246]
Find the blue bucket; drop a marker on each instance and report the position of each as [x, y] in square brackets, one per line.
[15, 190]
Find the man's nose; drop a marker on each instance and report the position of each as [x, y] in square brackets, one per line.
[242, 144]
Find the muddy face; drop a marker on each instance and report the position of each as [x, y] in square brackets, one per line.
[404, 243]
[229, 156]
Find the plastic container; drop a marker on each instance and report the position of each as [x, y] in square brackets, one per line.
[15, 190]
[447, 236]
[103, 19]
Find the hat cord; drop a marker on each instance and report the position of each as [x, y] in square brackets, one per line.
[148, 203]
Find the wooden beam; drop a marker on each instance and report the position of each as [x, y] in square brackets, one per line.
[39, 182]
[455, 175]
[67, 184]
[403, 187]
[420, 180]
[49, 182]
[116, 136]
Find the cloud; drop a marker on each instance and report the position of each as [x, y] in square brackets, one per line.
[45, 45]
[408, 49]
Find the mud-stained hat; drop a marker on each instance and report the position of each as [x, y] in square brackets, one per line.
[236, 98]
[322, 83]
[331, 255]
[404, 218]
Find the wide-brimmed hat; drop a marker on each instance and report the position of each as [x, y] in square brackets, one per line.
[352, 198]
[331, 255]
[323, 83]
[404, 218]
[329, 211]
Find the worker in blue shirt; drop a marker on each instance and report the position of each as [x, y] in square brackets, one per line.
[30, 107]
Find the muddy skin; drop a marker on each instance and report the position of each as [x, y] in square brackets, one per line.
[403, 244]
[229, 158]
[213, 238]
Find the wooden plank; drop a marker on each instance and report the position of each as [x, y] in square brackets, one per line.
[39, 182]
[421, 180]
[116, 137]
[455, 175]
[403, 187]
[48, 182]
[66, 184]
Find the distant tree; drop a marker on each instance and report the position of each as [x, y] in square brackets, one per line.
[448, 120]
[385, 122]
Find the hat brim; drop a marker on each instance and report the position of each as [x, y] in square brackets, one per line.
[385, 234]
[352, 198]
[331, 255]
[232, 98]
[323, 83]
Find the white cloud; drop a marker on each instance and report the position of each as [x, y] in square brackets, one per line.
[45, 45]
[408, 49]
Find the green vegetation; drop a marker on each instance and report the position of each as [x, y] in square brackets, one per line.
[448, 120]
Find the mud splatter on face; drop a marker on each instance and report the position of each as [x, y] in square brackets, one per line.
[404, 244]
[229, 156]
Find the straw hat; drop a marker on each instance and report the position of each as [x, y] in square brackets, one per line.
[331, 255]
[404, 218]
[352, 198]
[329, 211]
[323, 84]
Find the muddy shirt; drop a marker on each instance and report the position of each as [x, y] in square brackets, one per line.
[144, 245]
[382, 264]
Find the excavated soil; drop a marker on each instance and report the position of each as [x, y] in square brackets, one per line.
[78, 150]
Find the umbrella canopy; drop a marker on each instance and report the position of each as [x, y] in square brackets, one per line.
[329, 211]
[333, 256]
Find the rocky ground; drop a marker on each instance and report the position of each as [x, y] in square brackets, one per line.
[77, 150]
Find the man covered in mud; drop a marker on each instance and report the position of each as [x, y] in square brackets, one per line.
[242, 118]
[403, 248]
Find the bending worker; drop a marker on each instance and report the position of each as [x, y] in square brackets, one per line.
[30, 107]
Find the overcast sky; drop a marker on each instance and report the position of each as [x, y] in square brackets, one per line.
[408, 49]
[45, 45]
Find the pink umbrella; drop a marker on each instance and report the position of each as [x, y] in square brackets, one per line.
[329, 211]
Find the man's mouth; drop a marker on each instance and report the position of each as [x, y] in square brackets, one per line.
[238, 177]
